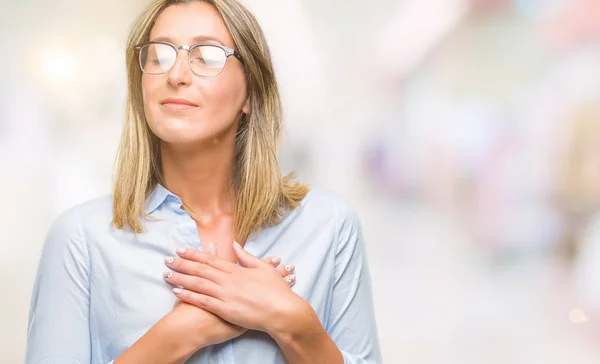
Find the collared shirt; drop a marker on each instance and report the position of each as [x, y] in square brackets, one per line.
[99, 289]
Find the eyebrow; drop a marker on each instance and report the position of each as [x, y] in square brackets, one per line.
[198, 39]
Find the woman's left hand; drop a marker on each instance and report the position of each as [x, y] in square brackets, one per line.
[252, 295]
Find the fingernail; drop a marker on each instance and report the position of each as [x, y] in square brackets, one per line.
[169, 260]
[177, 291]
[290, 278]
[237, 245]
[290, 267]
[168, 274]
[181, 250]
[276, 260]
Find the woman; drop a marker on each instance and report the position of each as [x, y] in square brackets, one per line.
[197, 163]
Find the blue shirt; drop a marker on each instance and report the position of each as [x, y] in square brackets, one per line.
[99, 289]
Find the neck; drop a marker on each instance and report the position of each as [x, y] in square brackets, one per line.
[202, 177]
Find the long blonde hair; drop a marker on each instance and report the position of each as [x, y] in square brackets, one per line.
[262, 194]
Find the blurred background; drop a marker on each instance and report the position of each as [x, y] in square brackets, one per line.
[465, 133]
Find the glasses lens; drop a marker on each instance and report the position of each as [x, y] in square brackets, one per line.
[207, 60]
[157, 58]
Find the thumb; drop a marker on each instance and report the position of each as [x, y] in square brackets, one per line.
[246, 259]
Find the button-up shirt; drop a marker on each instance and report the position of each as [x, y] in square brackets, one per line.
[99, 289]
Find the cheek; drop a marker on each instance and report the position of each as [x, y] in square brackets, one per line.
[146, 88]
[149, 90]
[228, 91]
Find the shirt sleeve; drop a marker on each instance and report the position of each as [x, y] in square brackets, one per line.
[352, 323]
[58, 330]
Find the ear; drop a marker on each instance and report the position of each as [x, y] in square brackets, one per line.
[246, 107]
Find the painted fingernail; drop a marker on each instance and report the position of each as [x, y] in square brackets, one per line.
[181, 250]
[168, 274]
[276, 260]
[169, 260]
[237, 245]
[177, 291]
[290, 278]
[290, 267]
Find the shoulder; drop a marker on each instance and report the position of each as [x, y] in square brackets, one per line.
[66, 240]
[100, 207]
[327, 202]
[326, 211]
[322, 206]
[74, 221]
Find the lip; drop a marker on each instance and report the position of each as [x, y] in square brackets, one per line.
[176, 103]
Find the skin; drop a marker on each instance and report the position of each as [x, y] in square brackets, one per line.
[219, 299]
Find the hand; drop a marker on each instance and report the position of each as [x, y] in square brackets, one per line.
[286, 271]
[213, 329]
[252, 295]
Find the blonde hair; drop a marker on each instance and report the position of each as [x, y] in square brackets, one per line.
[262, 194]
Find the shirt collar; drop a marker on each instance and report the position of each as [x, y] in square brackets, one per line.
[158, 196]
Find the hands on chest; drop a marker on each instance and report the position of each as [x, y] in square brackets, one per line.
[219, 300]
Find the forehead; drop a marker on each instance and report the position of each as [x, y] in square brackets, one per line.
[186, 23]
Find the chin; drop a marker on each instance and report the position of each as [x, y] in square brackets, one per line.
[190, 136]
[190, 130]
[183, 136]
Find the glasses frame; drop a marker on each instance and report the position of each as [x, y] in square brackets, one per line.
[228, 52]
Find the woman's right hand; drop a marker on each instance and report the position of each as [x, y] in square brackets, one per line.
[212, 329]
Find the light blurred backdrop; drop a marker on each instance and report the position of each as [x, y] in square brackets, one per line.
[465, 133]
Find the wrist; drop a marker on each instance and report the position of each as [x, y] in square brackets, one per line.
[181, 343]
[303, 339]
[296, 320]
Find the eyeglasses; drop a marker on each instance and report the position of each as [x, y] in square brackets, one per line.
[205, 60]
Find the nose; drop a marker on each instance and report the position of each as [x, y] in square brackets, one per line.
[180, 75]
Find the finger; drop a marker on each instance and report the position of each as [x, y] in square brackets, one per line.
[274, 261]
[284, 270]
[209, 248]
[196, 269]
[290, 279]
[246, 259]
[203, 301]
[208, 259]
[192, 283]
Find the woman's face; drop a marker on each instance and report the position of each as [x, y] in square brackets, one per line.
[217, 102]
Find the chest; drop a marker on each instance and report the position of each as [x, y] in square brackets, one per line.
[129, 294]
